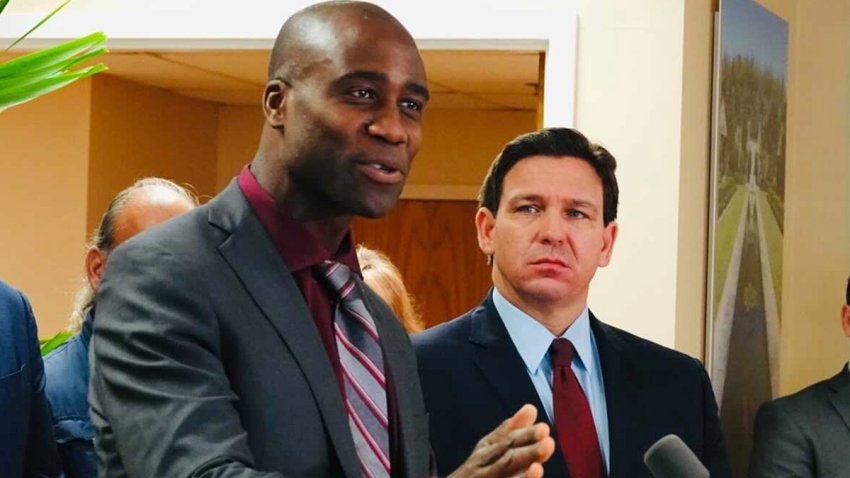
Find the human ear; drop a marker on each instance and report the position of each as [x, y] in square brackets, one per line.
[274, 103]
[609, 236]
[484, 224]
[95, 265]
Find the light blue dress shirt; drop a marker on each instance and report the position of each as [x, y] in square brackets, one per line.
[532, 341]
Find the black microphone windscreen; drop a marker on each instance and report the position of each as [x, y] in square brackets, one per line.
[669, 457]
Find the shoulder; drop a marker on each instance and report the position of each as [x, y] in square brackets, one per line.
[13, 303]
[66, 370]
[18, 337]
[65, 366]
[638, 348]
[444, 337]
[797, 404]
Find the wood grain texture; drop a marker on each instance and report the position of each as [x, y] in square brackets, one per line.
[434, 245]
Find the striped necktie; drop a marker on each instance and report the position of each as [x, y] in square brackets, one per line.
[362, 360]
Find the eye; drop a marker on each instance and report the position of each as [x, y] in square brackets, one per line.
[363, 94]
[412, 105]
[527, 208]
[575, 213]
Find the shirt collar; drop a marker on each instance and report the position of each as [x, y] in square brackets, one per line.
[532, 339]
[298, 247]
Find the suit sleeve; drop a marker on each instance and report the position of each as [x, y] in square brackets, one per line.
[780, 449]
[41, 458]
[158, 382]
[715, 457]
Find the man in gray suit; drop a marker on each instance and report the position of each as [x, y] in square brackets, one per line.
[807, 434]
[234, 341]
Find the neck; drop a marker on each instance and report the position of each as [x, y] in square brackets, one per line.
[327, 226]
[557, 317]
[329, 232]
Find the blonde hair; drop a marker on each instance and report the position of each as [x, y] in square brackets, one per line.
[383, 277]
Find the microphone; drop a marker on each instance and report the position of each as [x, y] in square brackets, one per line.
[669, 457]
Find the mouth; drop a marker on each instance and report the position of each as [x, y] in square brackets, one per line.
[549, 261]
[381, 171]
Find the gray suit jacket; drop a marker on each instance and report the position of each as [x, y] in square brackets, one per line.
[206, 361]
[806, 434]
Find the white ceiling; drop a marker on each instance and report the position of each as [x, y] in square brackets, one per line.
[496, 80]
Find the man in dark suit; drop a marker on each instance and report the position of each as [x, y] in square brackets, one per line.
[237, 340]
[807, 434]
[26, 435]
[547, 222]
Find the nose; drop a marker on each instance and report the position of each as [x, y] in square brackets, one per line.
[553, 228]
[388, 125]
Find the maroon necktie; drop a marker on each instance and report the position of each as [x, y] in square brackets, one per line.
[573, 419]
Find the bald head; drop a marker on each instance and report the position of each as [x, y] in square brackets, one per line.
[144, 204]
[146, 207]
[316, 30]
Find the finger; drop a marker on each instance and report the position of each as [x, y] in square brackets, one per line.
[534, 471]
[519, 459]
[485, 454]
[528, 435]
[524, 417]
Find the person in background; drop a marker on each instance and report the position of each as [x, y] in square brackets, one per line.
[383, 277]
[254, 349]
[27, 447]
[547, 222]
[144, 204]
[807, 434]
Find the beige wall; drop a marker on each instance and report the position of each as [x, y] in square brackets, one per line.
[43, 187]
[816, 256]
[239, 130]
[695, 127]
[459, 145]
[644, 77]
[65, 156]
[140, 131]
[629, 97]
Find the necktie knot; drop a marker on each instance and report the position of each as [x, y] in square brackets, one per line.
[561, 351]
[337, 277]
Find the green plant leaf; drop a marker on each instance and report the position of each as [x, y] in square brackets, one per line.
[44, 58]
[18, 94]
[3, 4]
[49, 15]
[49, 345]
[51, 70]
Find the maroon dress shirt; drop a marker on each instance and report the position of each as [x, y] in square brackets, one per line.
[300, 252]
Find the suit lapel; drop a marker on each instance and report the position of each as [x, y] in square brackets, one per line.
[621, 391]
[840, 397]
[500, 363]
[253, 257]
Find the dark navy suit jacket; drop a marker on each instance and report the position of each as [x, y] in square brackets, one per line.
[26, 437]
[67, 371]
[473, 378]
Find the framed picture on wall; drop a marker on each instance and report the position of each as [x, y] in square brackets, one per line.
[747, 216]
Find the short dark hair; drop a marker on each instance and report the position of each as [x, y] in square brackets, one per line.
[552, 142]
[847, 294]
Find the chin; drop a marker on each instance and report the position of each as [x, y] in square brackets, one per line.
[375, 209]
[377, 204]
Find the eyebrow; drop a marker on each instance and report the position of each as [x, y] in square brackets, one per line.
[540, 198]
[413, 86]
